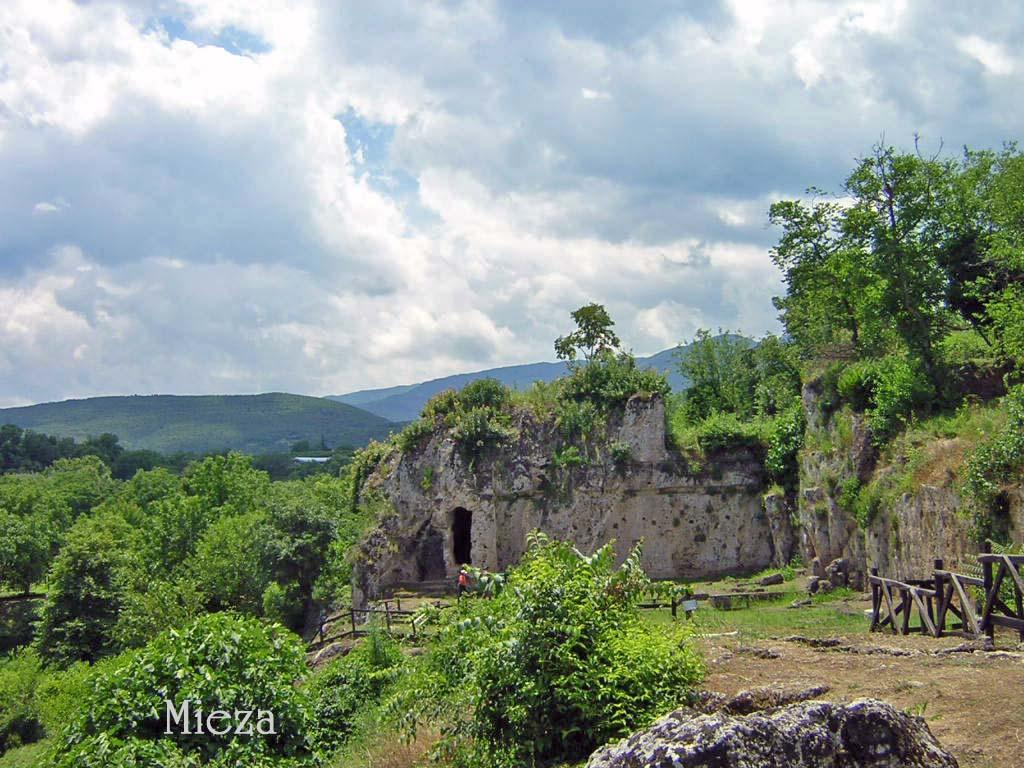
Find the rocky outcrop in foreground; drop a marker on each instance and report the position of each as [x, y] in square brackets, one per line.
[810, 734]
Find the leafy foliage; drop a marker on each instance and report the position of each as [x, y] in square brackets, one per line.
[593, 335]
[555, 664]
[349, 685]
[219, 662]
[888, 390]
[998, 459]
[85, 591]
[784, 443]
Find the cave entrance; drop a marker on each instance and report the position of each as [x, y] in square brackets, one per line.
[430, 556]
[462, 528]
[1001, 521]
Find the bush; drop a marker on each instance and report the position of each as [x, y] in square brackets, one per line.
[1007, 314]
[609, 380]
[963, 349]
[485, 393]
[19, 721]
[220, 662]
[784, 443]
[577, 419]
[722, 431]
[414, 434]
[480, 428]
[868, 504]
[998, 459]
[553, 666]
[569, 456]
[621, 452]
[849, 491]
[888, 390]
[478, 417]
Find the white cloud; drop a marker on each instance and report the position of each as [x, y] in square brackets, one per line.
[209, 219]
[992, 56]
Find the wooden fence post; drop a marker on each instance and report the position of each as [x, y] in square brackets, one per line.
[876, 601]
[352, 616]
[940, 614]
[986, 572]
[674, 606]
[387, 615]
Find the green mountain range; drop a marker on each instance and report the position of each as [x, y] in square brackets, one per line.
[404, 403]
[169, 423]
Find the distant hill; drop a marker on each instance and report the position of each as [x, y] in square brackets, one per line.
[170, 423]
[405, 403]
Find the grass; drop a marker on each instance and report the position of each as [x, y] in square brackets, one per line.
[931, 451]
[829, 614]
[29, 756]
[925, 448]
[384, 749]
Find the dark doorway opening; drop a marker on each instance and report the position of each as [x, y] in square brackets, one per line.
[430, 557]
[1001, 521]
[462, 528]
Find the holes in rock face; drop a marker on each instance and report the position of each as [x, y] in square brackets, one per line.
[462, 529]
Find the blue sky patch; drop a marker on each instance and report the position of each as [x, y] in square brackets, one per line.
[234, 40]
[369, 144]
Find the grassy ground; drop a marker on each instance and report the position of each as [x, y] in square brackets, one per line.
[967, 699]
[839, 612]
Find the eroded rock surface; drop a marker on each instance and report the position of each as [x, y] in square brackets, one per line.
[813, 734]
[451, 508]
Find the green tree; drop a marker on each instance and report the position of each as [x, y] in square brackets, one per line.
[728, 373]
[593, 334]
[227, 483]
[85, 590]
[83, 482]
[1002, 287]
[301, 527]
[831, 292]
[893, 224]
[26, 543]
[230, 563]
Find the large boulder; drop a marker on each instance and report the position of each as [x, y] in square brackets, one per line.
[810, 734]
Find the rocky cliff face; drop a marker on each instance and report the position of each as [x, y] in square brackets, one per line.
[451, 508]
[908, 533]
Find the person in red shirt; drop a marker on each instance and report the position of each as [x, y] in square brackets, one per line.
[463, 581]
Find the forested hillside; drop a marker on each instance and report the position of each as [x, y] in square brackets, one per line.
[198, 424]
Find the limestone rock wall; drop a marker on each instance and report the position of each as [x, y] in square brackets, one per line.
[906, 536]
[694, 522]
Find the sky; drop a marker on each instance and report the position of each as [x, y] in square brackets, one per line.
[239, 196]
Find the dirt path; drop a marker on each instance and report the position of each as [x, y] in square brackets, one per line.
[971, 701]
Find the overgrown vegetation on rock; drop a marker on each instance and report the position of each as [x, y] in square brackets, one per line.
[554, 665]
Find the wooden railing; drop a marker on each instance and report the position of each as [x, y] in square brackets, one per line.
[949, 595]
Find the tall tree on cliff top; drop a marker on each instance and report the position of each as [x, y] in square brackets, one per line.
[593, 335]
